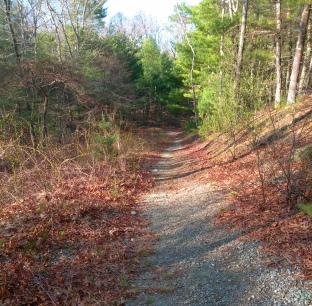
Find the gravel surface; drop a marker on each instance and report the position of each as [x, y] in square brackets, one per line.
[197, 262]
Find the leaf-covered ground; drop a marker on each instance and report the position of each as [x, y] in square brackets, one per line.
[266, 180]
[77, 242]
[80, 241]
[74, 244]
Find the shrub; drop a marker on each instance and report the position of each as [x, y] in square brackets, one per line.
[189, 126]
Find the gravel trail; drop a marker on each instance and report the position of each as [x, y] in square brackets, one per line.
[197, 262]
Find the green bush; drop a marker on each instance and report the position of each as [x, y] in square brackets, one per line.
[189, 126]
[307, 208]
[179, 110]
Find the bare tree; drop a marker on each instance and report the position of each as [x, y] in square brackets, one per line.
[60, 29]
[233, 7]
[292, 91]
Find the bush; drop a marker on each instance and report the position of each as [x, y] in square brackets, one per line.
[189, 126]
[307, 208]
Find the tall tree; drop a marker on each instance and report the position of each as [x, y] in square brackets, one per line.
[292, 91]
[158, 78]
[278, 54]
[183, 24]
[240, 52]
[8, 12]
[307, 60]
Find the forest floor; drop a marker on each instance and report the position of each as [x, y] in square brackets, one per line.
[198, 261]
[205, 222]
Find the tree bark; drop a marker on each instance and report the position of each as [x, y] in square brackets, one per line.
[292, 91]
[278, 55]
[239, 63]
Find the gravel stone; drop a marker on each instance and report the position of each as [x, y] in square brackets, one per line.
[197, 262]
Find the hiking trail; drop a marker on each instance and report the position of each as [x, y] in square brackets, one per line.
[197, 262]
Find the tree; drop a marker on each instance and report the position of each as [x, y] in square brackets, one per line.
[239, 61]
[278, 55]
[158, 81]
[73, 22]
[8, 13]
[291, 97]
[185, 34]
[306, 64]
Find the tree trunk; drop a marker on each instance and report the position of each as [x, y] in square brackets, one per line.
[233, 6]
[239, 63]
[309, 75]
[292, 91]
[221, 54]
[8, 6]
[303, 84]
[278, 55]
[191, 70]
[63, 27]
[33, 137]
[44, 127]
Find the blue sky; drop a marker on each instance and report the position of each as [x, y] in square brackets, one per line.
[159, 9]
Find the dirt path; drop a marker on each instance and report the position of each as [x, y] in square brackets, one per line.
[197, 262]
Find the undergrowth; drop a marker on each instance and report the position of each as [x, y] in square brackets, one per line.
[269, 180]
[69, 226]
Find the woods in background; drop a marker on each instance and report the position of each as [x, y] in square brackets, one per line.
[248, 54]
[63, 61]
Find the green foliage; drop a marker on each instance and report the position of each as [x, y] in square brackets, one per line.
[125, 50]
[150, 60]
[189, 126]
[104, 141]
[207, 104]
[158, 83]
[179, 110]
[47, 47]
[307, 208]
[104, 125]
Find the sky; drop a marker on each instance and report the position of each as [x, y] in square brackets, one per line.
[159, 9]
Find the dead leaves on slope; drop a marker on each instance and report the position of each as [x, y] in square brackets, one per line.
[76, 244]
[265, 210]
